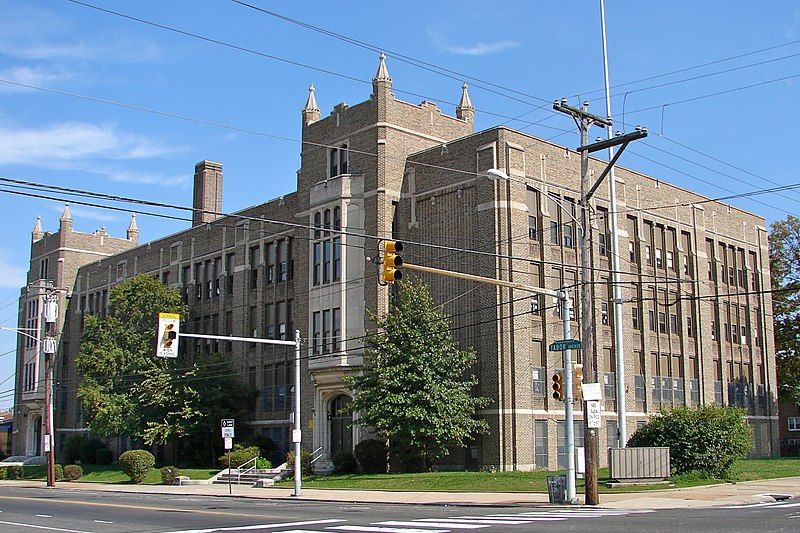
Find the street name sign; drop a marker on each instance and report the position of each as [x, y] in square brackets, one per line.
[565, 344]
[227, 428]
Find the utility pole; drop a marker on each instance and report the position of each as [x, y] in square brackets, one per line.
[584, 120]
[49, 349]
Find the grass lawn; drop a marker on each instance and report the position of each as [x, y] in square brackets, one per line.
[112, 474]
[746, 470]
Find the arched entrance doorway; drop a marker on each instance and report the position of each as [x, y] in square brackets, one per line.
[341, 425]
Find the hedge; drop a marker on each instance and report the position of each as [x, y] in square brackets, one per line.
[705, 439]
[239, 456]
[371, 456]
[168, 474]
[73, 472]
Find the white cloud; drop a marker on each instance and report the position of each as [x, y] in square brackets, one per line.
[147, 178]
[31, 33]
[11, 276]
[30, 76]
[476, 49]
[72, 141]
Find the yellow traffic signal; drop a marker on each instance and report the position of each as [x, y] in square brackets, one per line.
[558, 386]
[390, 269]
[577, 381]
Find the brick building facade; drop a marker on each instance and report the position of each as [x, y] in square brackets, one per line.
[387, 168]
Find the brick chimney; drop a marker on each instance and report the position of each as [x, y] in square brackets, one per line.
[207, 192]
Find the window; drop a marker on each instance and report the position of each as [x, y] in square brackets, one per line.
[632, 251]
[326, 331]
[612, 434]
[316, 331]
[539, 381]
[568, 238]
[540, 445]
[713, 330]
[338, 159]
[217, 275]
[731, 276]
[601, 244]
[535, 304]
[635, 318]
[337, 258]
[710, 270]
[651, 322]
[229, 273]
[689, 331]
[255, 262]
[794, 423]
[316, 273]
[604, 313]
[659, 262]
[670, 261]
[662, 322]
[532, 201]
[336, 333]
[743, 334]
[43, 267]
[647, 258]
[673, 324]
[553, 232]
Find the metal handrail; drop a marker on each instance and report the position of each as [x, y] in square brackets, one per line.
[314, 459]
[254, 460]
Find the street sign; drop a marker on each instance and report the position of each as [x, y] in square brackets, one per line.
[593, 414]
[227, 428]
[228, 443]
[592, 392]
[167, 340]
[565, 344]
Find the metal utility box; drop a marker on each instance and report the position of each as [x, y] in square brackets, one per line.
[628, 464]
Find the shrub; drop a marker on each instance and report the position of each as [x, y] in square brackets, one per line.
[703, 439]
[72, 448]
[371, 456]
[73, 472]
[344, 463]
[305, 462]
[168, 474]
[239, 456]
[136, 464]
[59, 473]
[89, 450]
[14, 472]
[103, 456]
[263, 464]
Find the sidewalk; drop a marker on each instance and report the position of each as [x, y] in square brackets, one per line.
[706, 496]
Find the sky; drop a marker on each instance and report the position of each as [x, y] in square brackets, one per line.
[715, 83]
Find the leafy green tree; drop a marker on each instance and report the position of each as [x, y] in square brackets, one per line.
[416, 387]
[784, 255]
[126, 390]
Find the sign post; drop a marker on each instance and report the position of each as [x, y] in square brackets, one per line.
[227, 434]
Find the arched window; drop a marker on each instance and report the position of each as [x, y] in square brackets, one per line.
[337, 218]
[317, 224]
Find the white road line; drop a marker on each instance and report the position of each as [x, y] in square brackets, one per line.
[487, 520]
[259, 526]
[387, 529]
[764, 504]
[439, 523]
[103, 521]
[44, 515]
[41, 527]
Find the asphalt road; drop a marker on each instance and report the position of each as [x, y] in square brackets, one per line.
[40, 510]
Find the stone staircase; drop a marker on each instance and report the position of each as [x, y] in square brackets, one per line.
[260, 478]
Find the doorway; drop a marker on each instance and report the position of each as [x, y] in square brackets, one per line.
[341, 425]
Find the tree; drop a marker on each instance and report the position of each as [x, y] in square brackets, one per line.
[416, 388]
[126, 390]
[784, 256]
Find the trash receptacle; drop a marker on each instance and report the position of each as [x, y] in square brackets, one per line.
[557, 488]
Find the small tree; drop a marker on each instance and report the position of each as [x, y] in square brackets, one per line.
[784, 256]
[704, 439]
[416, 388]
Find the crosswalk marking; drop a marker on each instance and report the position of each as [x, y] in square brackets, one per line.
[444, 522]
[388, 529]
[761, 505]
[485, 520]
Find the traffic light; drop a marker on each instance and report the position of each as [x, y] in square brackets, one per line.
[168, 329]
[558, 386]
[390, 270]
[577, 381]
